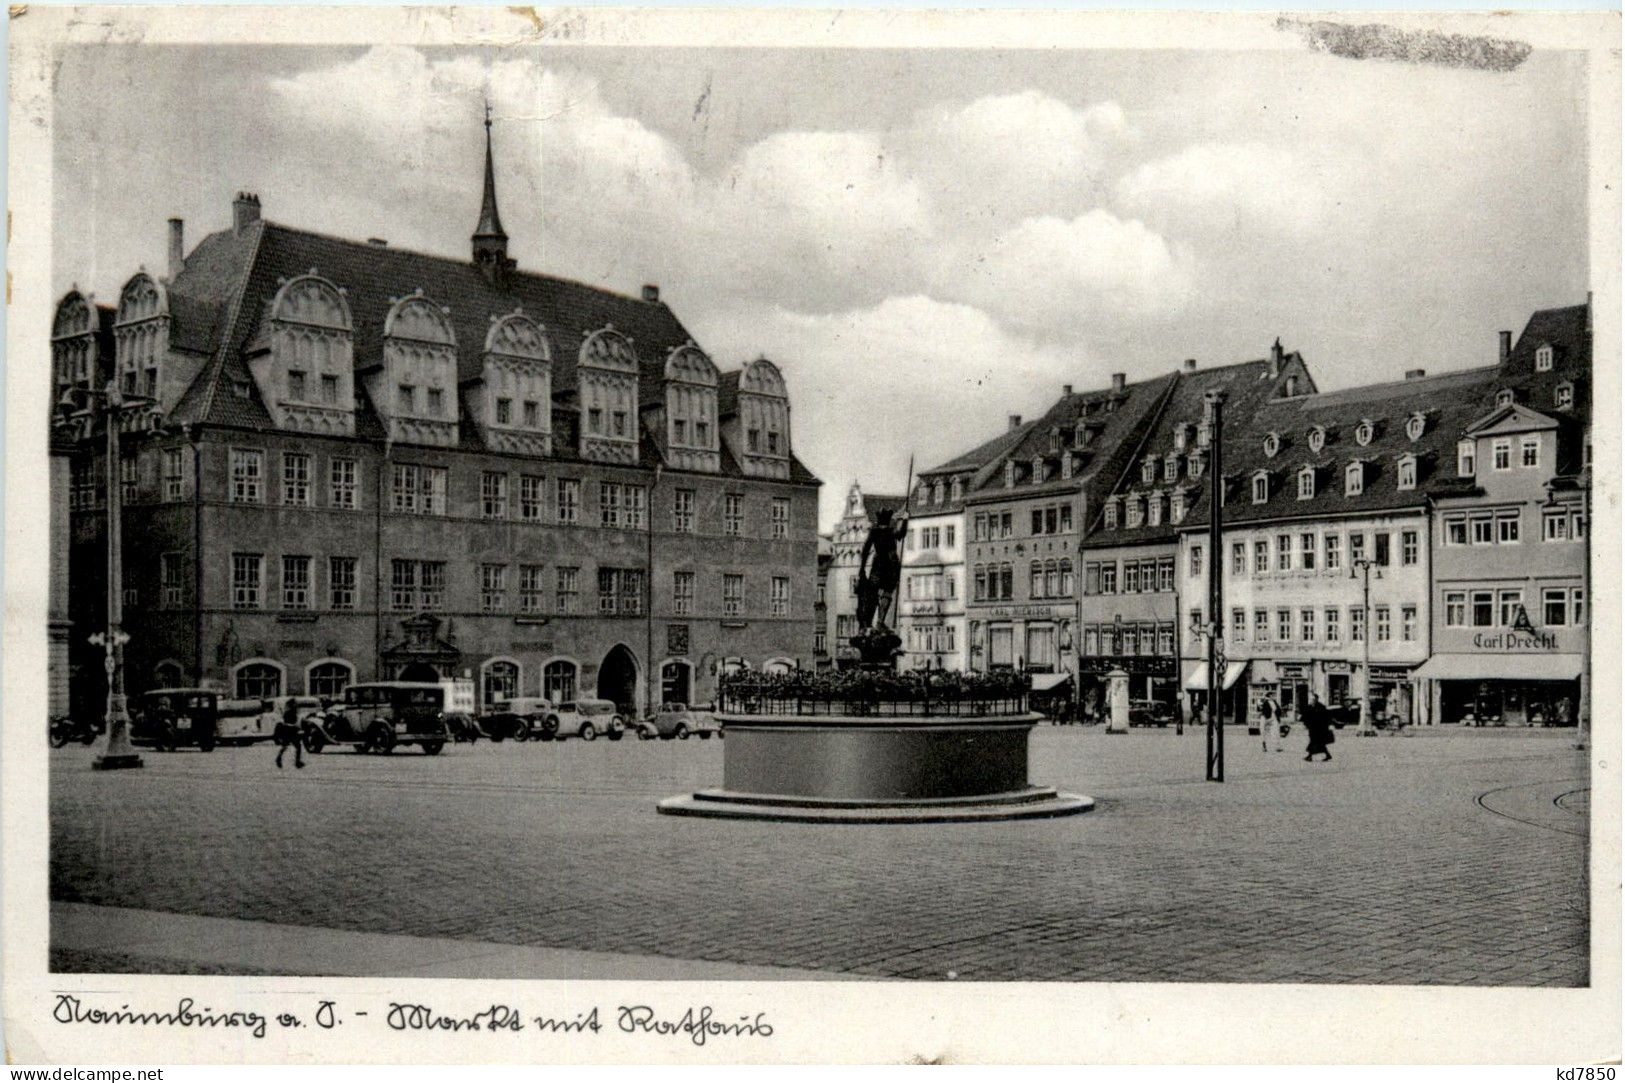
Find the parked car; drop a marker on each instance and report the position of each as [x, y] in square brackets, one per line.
[241, 725]
[378, 716]
[83, 730]
[585, 718]
[1150, 712]
[522, 718]
[677, 720]
[168, 718]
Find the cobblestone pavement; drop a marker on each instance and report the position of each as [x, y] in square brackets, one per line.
[1450, 860]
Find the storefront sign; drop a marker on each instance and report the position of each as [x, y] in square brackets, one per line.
[1503, 642]
[1028, 612]
[1296, 671]
[1136, 665]
[1390, 673]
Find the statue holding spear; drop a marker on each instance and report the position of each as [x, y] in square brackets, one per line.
[880, 568]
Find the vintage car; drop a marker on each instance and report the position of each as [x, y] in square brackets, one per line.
[378, 716]
[1150, 712]
[585, 718]
[679, 721]
[522, 718]
[168, 718]
[239, 726]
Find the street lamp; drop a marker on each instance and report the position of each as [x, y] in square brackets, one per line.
[1360, 568]
[1211, 632]
[1215, 580]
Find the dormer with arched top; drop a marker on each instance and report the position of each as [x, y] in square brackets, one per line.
[513, 403]
[73, 343]
[607, 371]
[415, 390]
[141, 342]
[303, 357]
[688, 419]
[763, 420]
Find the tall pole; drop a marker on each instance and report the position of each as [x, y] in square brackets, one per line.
[1583, 733]
[649, 596]
[1367, 729]
[119, 753]
[1215, 579]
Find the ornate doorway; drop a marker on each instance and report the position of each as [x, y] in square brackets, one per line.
[618, 680]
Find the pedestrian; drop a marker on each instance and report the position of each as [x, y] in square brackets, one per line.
[1269, 722]
[1319, 728]
[287, 733]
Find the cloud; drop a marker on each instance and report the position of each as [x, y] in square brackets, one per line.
[1214, 187]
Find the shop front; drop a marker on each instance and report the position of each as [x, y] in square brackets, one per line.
[1503, 689]
[1151, 682]
[1233, 691]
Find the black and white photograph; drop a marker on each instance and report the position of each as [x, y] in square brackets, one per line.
[706, 502]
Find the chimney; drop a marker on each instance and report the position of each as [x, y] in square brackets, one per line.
[377, 242]
[1066, 391]
[1276, 354]
[1506, 346]
[651, 293]
[245, 211]
[1015, 422]
[177, 246]
[1119, 381]
[1190, 364]
[1415, 374]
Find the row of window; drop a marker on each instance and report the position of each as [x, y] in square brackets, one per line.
[1505, 527]
[937, 491]
[930, 537]
[1308, 551]
[932, 639]
[1309, 624]
[1047, 579]
[1130, 639]
[1559, 607]
[420, 585]
[1139, 576]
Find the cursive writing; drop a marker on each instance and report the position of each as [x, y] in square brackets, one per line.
[70, 1009]
[697, 1026]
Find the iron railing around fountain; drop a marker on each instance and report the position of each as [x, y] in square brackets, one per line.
[922, 694]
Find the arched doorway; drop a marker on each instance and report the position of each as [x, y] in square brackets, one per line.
[618, 679]
[676, 682]
[419, 671]
[168, 675]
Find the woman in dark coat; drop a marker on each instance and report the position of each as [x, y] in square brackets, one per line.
[1319, 727]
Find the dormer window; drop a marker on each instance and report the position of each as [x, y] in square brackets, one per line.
[1066, 465]
[1181, 437]
[959, 485]
[1010, 474]
[1306, 483]
[1416, 426]
[1170, 468]
[420, 351]
[1317, 439]
[1466, 458]
[1111, 514]
[1038, 470]
[1154, 509]
[1272, 444]
[936, 493]
[515, 367]
[1204, 433]
[691, 411]
[1261, 488]
[1365, 431]
[1564, 397]
[1407, 472]
[1198, 464]
[607, 388]
[1354, 479]
[1136, 512]
[1505, 397]
[1291, 386]
[1148, 471]
[1543, 359]
[1176, 506]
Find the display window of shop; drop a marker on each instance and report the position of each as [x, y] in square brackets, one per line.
[1001, 645]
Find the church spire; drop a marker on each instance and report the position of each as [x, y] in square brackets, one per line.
[490, 242]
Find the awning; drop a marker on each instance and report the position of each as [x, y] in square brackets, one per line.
[1264, 671]
[1044, 682]
[1494, 667]
[1196, 679]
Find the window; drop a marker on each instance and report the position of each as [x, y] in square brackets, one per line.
[1148, 471]
[341, 582]
[174, 474]
[170, 579]
[781, 517]
[948, 535]
[246, 571]
[1356, 547]
[330, 390]
[1261, 488]
[1261, 557]
[733, 514]
[1136, 512]
[1196, 560]
[259, 680]
[1385, 630]
[1381, 554]
[682, 593]
[1483, 609]
[432, 583]
[733, 595]
[559, 681]
[569, 502]
[417, 489]
[1283, 552]
[1111, 514]
[1261, 625]
[1564, 396]
[533, 414]
[1483, 530]
[1334, 627]
[128, 476]
[1455, 609]
[1238, 624]
[493, 494]
[1170, 469]
[1176, 506]
[620, 590]
[621, 505]
[779, 595]
[295, 582]
[1356, 624]
[1507, 529]
[1543, 359]
[500, 683]
[504, 411]
[1508, 603]
[682, 511]
[1410, 544]
[436, 405]
[1501, 453]
[1306, 484]
[1306, 625]
[1165, 574]
[1466, 458]
[1407, 472]
[1407, 623]
[247, 476]
[414, 583]
[1108, 578]
[566, 589]
[296, 386]
[341, 483]
[1283, 625]
[1554, 607]
[1415, 426]
[328, 680]
[1197, 628]
[1354, 480]
[406, 398]
[1238, 558]
[1153, 509]
[1363, 432]
[1577, 605]
[1272, 444]
[1334, 552]
[493, 588]
[1131, 576]
[1555, 526]
[1529, 451]
[1455, 530]
[1307, 546]
[530, 498]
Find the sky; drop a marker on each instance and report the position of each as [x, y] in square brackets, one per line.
[925, 241]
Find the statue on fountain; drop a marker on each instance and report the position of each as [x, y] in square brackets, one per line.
[880, 568]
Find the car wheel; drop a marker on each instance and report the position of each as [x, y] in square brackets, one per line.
[681, 732]
[314, 742]
[705, 735]
[550, 728]
[432, 748]
[588, 731]
[383, 739]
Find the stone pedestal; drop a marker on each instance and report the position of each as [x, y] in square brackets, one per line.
[1117, 701]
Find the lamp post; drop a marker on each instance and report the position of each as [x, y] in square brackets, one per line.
[1212, 633]
[1360, 568]
[1215, 580]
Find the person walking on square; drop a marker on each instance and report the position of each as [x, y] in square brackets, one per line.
[1319, 728]
[1269, 723]
[287, 733]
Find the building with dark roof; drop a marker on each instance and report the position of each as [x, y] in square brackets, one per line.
[349, 461]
